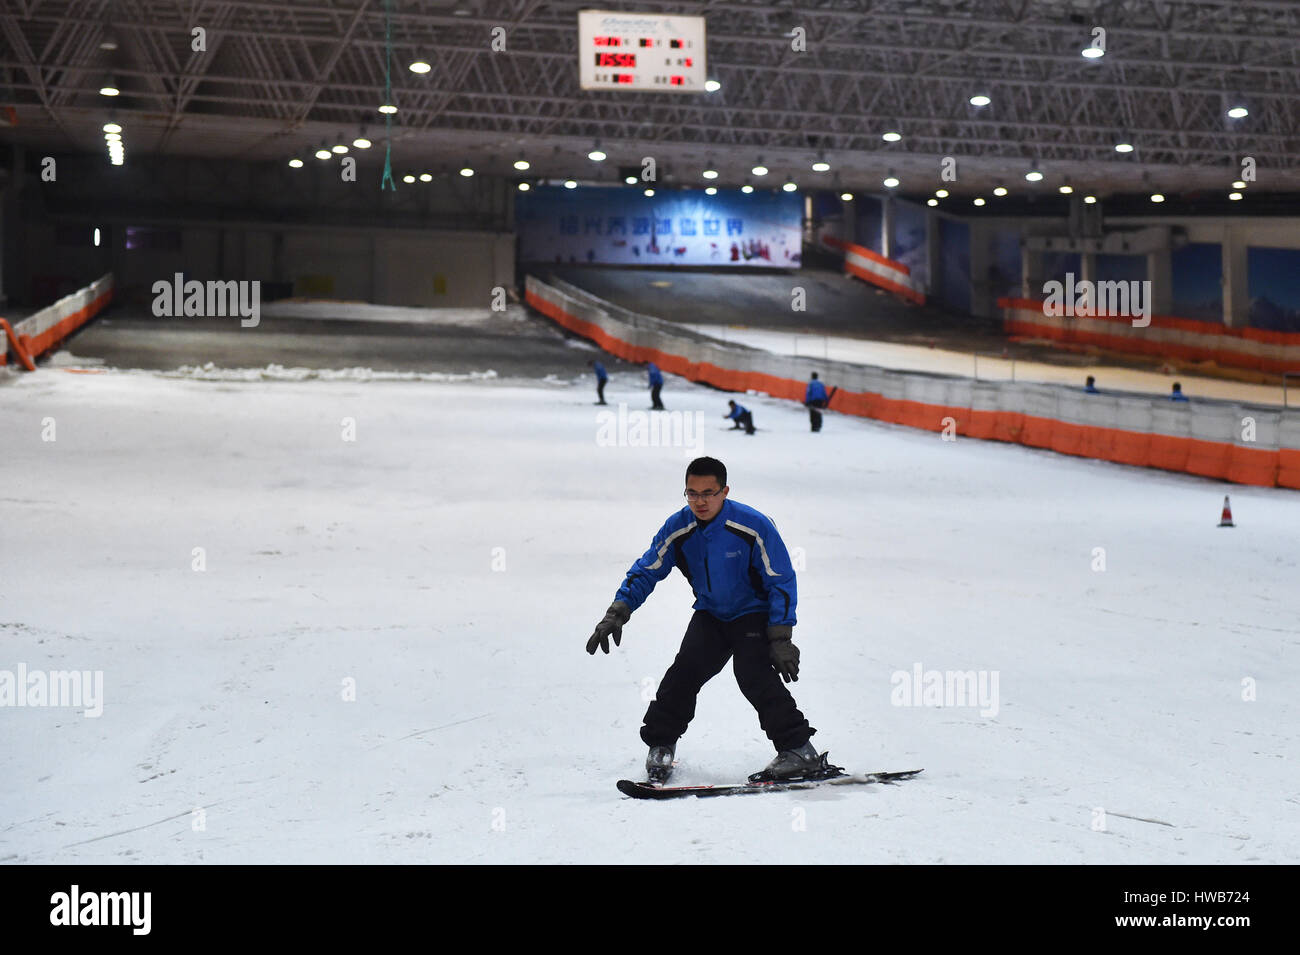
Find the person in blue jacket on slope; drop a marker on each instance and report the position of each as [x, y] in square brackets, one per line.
[815, 398]
[656, 383]
[743, 417]
[601, 378]
[744, 586]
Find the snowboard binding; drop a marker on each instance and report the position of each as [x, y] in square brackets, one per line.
[824, 770]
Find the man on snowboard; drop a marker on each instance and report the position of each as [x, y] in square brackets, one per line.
[744, 605]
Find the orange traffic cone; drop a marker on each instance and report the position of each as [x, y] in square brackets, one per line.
[1226, 519]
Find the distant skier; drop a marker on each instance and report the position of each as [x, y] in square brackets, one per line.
[815, 398]
[1177, 393]
[1090, 386]
[744, 585]
[656, 384]
[742, 416]
[601, 379]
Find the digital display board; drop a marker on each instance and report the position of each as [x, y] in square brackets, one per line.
[633, 51]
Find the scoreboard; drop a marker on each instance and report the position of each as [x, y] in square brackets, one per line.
[649, 52]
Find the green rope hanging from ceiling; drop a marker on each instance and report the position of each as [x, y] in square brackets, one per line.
[388, 98]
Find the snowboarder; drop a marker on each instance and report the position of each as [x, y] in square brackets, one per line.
[656, 383]
[815, 398]
[601, 378]
[742, 416]
[744, 587]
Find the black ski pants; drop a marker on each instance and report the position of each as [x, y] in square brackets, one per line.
[708, 645]
[815, 415]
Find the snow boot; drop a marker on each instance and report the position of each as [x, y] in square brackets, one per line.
[659, 763]
[801, 763]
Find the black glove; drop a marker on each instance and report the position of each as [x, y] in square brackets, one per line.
[612, 625]
[784, 654]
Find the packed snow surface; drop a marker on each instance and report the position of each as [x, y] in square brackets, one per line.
[342, 619]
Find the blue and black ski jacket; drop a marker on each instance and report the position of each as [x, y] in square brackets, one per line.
[736, 564]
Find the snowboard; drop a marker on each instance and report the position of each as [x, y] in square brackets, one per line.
[648, 790]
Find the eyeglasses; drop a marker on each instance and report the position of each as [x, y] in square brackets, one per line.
[701, 495]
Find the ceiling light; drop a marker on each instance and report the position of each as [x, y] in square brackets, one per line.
[891, 136]
[979, 99]
[630, 180]
[759, 170]
[649, 192]
[521, 164]
[789, 186]
[112, 128]
[846, 196]
[1065, 190]
[941, 193]
[1034, 175]
[466, 171]
[570, 184]
[295, 163]
[1239, 184]
[1238, 112]
[1234, 196]
[1090, 199]
[890, 181]
[746, 188]
[109, 88]
[821, 165]
[709, 174]
[322, 153]
[361, 142]
[388, 108]
[712, 86]
[1124, 146]
[426, 177]
[340, 149]
[1000, 191]
[711, 191]
[524, 187]
[1092, 52]
[979, 201]
[1157, 197]
[408, 178]
[420, 66]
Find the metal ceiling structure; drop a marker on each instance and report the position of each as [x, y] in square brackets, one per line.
[280, 76]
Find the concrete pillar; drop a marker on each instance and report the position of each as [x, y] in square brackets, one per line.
[1160, 273]
[1087, 267]
[981, 297]
[1236, 289]
[887, 226]
[1031, 273]
[932, 252]
[849, 214]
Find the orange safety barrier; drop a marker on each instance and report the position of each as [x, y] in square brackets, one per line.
[19, 347]
[1230, 462]
[1205, 341]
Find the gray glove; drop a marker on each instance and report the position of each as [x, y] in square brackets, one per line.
[784, 654]
[612, 625]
